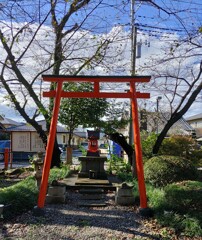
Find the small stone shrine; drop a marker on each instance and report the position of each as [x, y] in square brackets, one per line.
[92, 165]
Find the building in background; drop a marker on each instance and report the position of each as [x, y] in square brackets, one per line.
[196, 122]
[25, 141]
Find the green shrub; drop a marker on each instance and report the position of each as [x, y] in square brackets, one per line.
[182, 146]
[125, 176]
[118, 165]
[59, 173]
[184, 196]
[19, 197]
[147, 141]
[196, 157]
[162, 170]
[177, 146]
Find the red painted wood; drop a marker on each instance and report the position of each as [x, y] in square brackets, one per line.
[67, 78]
[95, 94]
[132, 94]
[49, 149]
[138, 148]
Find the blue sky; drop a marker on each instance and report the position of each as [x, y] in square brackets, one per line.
[108, 13]
[152, 20]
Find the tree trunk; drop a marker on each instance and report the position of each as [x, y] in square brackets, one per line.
[69, 155]
[70, 137]
[178, 114]
[55, 162]
[165, 130]
[121, 140]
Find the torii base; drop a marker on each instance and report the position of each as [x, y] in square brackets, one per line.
[92, 167]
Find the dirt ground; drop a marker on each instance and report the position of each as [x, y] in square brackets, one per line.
[71, 221]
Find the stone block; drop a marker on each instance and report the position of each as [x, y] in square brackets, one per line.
[122, 192]
[56, 194]
[57, 190]
[55, 199]
[92, 163]
[124, 195]
[125, 201]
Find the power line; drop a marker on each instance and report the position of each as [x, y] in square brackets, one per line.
[162, 28]
[190, 3]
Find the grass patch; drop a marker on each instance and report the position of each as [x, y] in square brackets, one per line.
[186, 196]
[59, 173]
[22, 196]
[178, 206]
[19, 198]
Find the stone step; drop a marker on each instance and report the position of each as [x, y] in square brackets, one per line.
[91, 196]
[88, 181]
[78, 187]
[91, 191]
[91, 203]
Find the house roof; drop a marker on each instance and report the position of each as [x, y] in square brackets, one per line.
[183, 125]
[28, 128]
[8, 121]
[194, 117]
[179, 127]
[2, 126]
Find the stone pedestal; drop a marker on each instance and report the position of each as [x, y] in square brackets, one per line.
[56, 194]
[124, 195]
[91, 164]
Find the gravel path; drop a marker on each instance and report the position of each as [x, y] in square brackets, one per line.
[72, 222]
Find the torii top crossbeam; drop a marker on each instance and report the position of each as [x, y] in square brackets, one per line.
[82, 78]
[96, 80]
[95, 93]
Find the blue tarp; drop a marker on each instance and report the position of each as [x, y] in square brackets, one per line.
[4, 144]
[116, 149]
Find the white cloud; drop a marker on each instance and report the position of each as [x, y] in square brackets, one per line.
[80, 47]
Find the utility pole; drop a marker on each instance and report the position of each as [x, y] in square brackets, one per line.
[133, 69]
[133, 39]
[133, 59]
[157, 111]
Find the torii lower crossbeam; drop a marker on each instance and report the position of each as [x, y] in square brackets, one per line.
[96, 93]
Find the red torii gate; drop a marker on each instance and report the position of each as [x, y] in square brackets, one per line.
[96, 80]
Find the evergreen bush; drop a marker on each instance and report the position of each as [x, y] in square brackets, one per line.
[147, 140]
[182, 146]
[162, 170]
